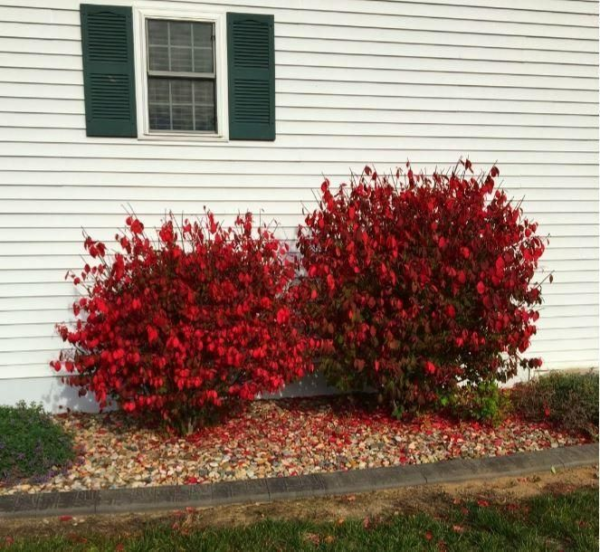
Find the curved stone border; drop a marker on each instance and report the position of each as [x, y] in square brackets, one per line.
[303, 486]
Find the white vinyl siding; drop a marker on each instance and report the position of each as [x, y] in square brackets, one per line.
[357, 82]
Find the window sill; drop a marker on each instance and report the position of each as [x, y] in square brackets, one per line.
[177, 138]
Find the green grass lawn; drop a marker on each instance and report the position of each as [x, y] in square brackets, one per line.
[547, 522]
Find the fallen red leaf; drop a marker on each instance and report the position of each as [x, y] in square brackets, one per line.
[77, 538]
[312, 538]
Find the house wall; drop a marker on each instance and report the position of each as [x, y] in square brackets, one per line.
[357, 82]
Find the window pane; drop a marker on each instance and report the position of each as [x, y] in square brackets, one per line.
[203, 61]
[158, 32]
[203, 48]
[205, 119]
[158, 90]
[181, 91]
[181, 34]
[204, 100]
[203, 33]
[180, 47]
[159, 58]
[204, 92]
[160, 117]
[183, 118]
[181, 60]
[182, 104]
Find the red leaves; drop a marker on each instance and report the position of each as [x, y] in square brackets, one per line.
[429, 279]
[151, 332]
[94, 248]
[430, 367]
[134, 225]
[500, 264]
[212, 224]
[330, 282]
[412, 287]
[185, 327]
[283, 315]
[166, 233]
[137, 227]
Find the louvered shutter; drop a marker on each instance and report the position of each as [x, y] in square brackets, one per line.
[108, 70]
[251, 69]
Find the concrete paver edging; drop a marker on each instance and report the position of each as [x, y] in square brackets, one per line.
[282, 488]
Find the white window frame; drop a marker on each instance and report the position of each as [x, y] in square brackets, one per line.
[141, 64]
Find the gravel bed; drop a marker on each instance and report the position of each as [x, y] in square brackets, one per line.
[278, 438]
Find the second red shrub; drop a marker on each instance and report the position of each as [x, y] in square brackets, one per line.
[419, 284]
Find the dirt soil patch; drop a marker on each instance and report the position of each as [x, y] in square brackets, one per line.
[434, 500]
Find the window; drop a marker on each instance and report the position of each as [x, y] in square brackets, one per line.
[181, 76]
[156, 74]
[181, 71]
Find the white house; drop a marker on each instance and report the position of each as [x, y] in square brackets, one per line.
[241, 104]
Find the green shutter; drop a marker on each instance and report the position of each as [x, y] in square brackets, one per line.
[251, 68]
[108, 74]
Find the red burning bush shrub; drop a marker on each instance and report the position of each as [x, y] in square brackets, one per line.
[418, 284]
[185, 326]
